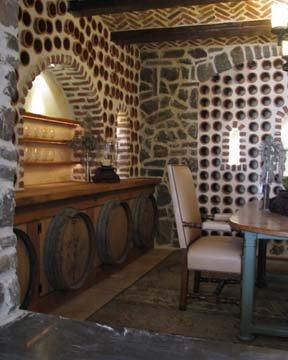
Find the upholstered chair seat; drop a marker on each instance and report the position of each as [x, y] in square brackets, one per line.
[200, 253]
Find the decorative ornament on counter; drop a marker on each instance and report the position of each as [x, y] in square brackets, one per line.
[86, 142]
[273, 162]
[106, 173]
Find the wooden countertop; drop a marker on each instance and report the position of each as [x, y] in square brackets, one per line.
[253, 219]
[35, 195]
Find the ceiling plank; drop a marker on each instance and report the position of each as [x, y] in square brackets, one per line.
[101, 7]
[186, 33]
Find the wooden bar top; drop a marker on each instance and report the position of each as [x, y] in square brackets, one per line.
[39, 194]
[253, 219]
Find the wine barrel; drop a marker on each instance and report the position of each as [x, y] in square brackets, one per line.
[113, 232]
[26, 265]
[69, 249]
[145, 221]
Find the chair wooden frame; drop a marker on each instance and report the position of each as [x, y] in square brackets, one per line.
[186, 219]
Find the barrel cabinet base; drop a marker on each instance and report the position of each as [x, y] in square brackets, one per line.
[77, 228]
[26, 266]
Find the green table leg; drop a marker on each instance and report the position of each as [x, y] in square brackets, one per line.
[248, 282]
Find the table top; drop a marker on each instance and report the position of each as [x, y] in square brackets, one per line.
[38, 194]
[254, 219]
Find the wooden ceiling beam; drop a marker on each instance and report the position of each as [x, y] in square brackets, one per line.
[101, 7]
[186, 33]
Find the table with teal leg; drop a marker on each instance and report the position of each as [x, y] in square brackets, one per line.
[256, 224]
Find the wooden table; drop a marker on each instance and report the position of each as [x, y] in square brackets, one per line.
[257, 224]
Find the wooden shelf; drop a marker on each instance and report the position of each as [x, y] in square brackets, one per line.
[49, 119]
[49, 163]
[44, 141]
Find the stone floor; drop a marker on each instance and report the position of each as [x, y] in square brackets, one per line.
[94, 298]
[39, 336]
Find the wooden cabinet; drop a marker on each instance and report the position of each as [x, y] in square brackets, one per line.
[56, 212]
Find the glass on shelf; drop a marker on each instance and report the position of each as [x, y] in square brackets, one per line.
[36, 132]
[27, 131]
[27, 153]
[51, 155]
[44, 133]
[51, 133]
[43, 155]
[35, 154]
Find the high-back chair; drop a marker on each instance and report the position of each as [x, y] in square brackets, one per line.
[200, 253]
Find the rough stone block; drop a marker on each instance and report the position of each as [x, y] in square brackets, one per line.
[165, 101]
[148, 75]
[7, 208]
[165, 136]
[174, 53]
[163, 89]
[8, 154]
[7, 172]
[193, 131]
[8, 241]
[249, 54]
[222, 62]
[160, 151]
[155, 172]
[7, 262]
[266, 51]
[150, 106]
[144, 155]
[156, 163]
[183, 94]
[146, 55]
[237, 55]
[170, 74]
[160, 116]
[198, 53]
[7, 123]
[194, 98]
[9, 13]
[205, 72]
[258, 52]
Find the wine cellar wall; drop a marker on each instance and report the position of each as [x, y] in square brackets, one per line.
[101, 76]
[191, 99]
[251, 98]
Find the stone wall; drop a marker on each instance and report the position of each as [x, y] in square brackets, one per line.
[8, 156]
[180, 114]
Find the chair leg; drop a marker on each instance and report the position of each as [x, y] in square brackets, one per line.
[197, 277]
[184, 281]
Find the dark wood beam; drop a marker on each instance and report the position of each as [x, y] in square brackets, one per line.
[101, 7]
[185, 33]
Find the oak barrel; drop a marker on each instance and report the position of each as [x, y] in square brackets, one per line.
[145, 221]
[113, 232]
[69, 249]
[26, 266]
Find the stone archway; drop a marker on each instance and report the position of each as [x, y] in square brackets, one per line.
[80, 93]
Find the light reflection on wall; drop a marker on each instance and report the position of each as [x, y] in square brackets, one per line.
[46, 97]
[234, 147]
